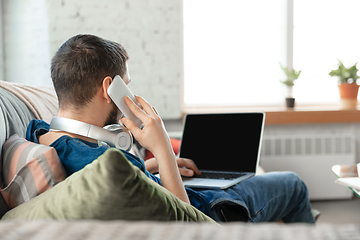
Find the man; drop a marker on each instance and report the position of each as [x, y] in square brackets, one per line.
[82, 71]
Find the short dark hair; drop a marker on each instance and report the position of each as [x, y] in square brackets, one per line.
[80, 65]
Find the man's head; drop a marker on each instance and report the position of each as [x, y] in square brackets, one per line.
[80, 65]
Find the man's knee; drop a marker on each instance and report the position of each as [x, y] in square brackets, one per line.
[296, 183]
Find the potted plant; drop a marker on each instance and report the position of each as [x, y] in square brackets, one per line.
[348, 87]
[291, 76]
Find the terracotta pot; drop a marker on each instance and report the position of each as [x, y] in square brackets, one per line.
[348, 94]
[348, 90]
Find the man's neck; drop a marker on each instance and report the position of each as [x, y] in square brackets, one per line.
[86, 118]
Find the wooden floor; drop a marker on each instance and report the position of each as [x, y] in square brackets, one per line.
[338, 211]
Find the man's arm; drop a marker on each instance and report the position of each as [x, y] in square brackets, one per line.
[154, 138]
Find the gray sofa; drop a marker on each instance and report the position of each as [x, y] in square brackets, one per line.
[14, 118]
[15, 114]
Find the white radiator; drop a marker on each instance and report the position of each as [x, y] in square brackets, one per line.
[311, 157]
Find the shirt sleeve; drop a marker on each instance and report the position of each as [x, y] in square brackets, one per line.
[36, 128]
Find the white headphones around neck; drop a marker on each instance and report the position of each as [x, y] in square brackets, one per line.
[114, 135]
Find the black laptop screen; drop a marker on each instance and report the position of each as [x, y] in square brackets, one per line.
[223, 142]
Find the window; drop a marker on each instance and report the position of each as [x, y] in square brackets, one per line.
[324, 31]
[232, 49]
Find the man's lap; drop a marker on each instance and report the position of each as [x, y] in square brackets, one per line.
[267, 197]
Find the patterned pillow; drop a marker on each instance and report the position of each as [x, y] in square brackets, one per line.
[109, 188]
[28, 170]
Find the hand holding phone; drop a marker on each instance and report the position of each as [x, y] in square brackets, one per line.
[117, 91]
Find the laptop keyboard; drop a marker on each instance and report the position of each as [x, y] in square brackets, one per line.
[220, 175]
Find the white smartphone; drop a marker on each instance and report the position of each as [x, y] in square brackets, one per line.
[117, 91]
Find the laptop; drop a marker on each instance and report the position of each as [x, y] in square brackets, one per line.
[224, 146]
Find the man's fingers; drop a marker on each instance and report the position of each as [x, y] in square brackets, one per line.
[186, 172]
[138, 112]
[132, 127]
[189, 164]
[146, 106]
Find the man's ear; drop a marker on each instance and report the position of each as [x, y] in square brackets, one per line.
[105, 85]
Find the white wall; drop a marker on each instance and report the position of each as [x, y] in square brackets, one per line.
[26, 42]
[150, 30]
[1, 43]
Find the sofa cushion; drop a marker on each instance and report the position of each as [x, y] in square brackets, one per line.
[14, 116]
[28, 170]
[109, 188]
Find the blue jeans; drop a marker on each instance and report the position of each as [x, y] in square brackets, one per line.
[269, 197]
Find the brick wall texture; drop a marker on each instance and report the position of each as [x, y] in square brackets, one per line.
[150, 30]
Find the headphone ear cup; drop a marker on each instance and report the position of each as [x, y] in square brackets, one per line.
[123, 139]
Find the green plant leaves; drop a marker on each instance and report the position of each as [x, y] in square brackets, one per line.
[346, 75]
[291, 75]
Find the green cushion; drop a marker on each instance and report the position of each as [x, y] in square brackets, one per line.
[109, 188]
